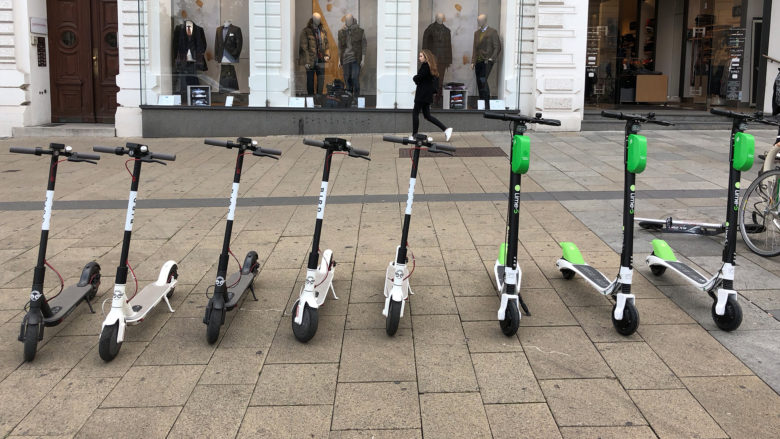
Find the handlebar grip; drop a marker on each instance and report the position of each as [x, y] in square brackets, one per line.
[312, 142]
[550, 122]
[85, 156]
[270, 151]
[663, 123]
[215, 142]
[494, 115]
[720, 112]
[395, 139]
[20, 150]
[158, 156]
[447, 148]
[611, 114]
[360, 152]
[109, 150]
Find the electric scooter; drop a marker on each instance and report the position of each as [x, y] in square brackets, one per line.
[319, 279]
[726, 311]
[228, 292]
[397, 288]
[508, 273]
[52, 311]
[132, 311]
[625, 317]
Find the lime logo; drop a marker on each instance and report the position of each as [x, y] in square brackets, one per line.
[631, 212]
[633, 188]
[736, 185]
[515, 211]
[517, 187]
[736, 208]
[727, 223]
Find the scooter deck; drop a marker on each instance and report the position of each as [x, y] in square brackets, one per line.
[65, 302]
[237, 291]
[688, 272]
[592, 274]
[145, 300]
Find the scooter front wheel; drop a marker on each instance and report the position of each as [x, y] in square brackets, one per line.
[108, 346]
[215, 323]
[732, 318]
[511, 321]
[30, 342]
[393, 318]
[630, 321]
[308, 327]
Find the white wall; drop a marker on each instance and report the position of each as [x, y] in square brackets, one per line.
[669, 41]
[396, 53]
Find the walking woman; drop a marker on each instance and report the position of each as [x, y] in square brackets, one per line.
[426, 79]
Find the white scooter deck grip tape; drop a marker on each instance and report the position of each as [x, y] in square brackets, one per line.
[321, 204]
[130, 211]
[233, 199]
[47, 210]
[410, 197]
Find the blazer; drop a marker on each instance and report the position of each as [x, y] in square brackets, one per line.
[426, 85]
[232, 44]
[196, 44]
[437, 39]
[487, 45]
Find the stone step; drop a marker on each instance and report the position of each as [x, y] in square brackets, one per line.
[66, 130]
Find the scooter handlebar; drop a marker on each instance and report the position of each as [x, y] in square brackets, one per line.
[20, 150]
[269, 151]
[214, 142]
[611, 114]
[158, 156]
[727, 113]
[503, 116]
[447, 148]
[109, 150]
[396, 139]
[84, 156]
[359, 152]
[312, 142]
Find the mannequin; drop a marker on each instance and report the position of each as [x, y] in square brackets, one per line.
[313, 53]
[227, 51]
[436, 38]
[352, 53]
[189, 48]
[487, 47]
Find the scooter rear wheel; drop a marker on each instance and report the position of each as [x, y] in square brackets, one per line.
[215, 323]
[30, 342]
[173, 273]
[657, 270]
[308, 327]
[567, 274]
[393, 318]
[108, 346]
[95, 283]
[511, 322]
[630, 321]
[732, 318]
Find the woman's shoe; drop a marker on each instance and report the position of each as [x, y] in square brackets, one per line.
[447, 134]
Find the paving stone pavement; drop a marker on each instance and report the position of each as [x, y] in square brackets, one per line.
[449, 372]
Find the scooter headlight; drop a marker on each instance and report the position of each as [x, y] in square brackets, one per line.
[144, 149]
[68, 148]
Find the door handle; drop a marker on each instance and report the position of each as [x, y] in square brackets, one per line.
[95, 66]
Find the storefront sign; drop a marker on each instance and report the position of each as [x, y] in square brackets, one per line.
[39, 25]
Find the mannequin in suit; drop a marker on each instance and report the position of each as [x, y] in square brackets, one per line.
[487, 47]
[189, 49]
[437, 39]
[314, 52]
[227, 51]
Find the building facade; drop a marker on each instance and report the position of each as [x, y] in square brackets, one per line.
[124, 61]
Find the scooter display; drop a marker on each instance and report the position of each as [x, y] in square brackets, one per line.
[228, 292]
[397, 276]
[43, 311]
[508, 274]
[132, 311]
[625, 317]
[319, 278]
[726, 311]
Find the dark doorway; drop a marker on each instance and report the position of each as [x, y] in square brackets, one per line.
[757, 28]
[84, 57]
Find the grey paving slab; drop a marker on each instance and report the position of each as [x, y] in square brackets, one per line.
[446, 415]
[571, 404]
[675, 413]
[637, 366]
[506, 378]
[325, 347]
[759, 350]
[362, 406]
[234, 366]
[160, 385]
[562, 352]
[639, 432]
[441, 354]
[157, 422]
[21, 391]
[483, 336]
[296, 384]
[370, 355]
[521, 421]
[287, 421]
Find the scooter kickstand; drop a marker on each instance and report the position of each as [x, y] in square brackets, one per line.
[90, 306]
[167, 302]
[333, 290]
[252, 290]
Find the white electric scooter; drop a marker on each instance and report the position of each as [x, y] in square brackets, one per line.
[130, 312]
[319, 279]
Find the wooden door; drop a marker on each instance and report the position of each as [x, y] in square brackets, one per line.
[83, 60]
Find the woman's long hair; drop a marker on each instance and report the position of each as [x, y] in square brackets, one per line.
[430, 58]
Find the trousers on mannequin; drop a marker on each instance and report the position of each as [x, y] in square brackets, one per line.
[482, 71]
[228, 81]
[352, 77]
[186, 75]
[318, 69]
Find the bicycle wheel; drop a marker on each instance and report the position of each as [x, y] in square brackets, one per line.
[759, 214]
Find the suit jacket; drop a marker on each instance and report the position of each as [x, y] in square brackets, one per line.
[196, 44]
[426, 85]
[487, 45]
[307, 48]
[436, 38]
[232, 44]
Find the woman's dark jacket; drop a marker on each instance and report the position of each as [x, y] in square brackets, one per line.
[426, 85]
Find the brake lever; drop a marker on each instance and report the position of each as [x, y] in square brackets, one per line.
[358, 156]
[153, 161]
[262, 154]
[71, 159]
[439, 151]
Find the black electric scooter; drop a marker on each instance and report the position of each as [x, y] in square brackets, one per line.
[506, 270]
[319, 279]
[397, 276]
[228, 292]
[625, 317]
[52, 311]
